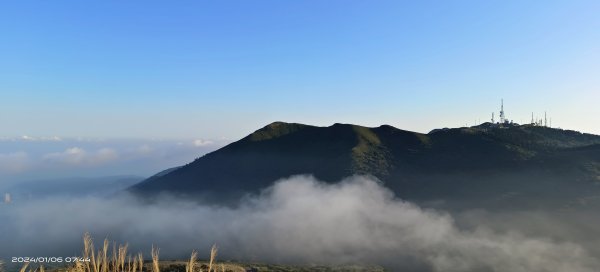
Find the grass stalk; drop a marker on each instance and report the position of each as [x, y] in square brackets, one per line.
[141, 261]
[189, 267]
[213, 255]
[155, 264]
[120, 261]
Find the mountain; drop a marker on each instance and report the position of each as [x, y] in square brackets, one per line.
[481, 165]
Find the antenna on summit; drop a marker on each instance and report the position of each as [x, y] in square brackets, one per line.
[502, 116]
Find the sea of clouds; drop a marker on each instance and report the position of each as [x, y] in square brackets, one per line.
[298, 220]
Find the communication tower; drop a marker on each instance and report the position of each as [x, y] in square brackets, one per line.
[502, 116]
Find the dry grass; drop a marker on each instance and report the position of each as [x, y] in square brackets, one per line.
[189, 267]
[24, 268]
[121, 261]
[213, 255]
[155, 264]
[140, 260]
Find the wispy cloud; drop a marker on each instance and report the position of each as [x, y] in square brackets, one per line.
[79, 156]
[32, 139]
[145, 149]
[49, 157]
[201, 142]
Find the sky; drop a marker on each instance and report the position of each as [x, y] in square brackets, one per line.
[222, 69]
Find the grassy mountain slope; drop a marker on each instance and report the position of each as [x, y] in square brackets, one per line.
[480, 163]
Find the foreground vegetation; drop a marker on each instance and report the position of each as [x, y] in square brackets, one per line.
[118, 259]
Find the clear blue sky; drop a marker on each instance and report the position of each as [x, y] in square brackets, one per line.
[220, 69]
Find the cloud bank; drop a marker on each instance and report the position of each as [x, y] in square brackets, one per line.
[77, 156]
[28, 158]
[298, 220]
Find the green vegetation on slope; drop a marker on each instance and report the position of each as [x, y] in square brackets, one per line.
[478, 162]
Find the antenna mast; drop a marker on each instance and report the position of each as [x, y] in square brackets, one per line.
[502, 117]
[532, 120]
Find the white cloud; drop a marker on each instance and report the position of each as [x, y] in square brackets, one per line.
[35, 139]
[145, 149]
[54, 138]
[27, 138]
[79, 156]
[73, 155]
[201, 142]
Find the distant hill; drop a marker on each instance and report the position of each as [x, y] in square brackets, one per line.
[482, 165]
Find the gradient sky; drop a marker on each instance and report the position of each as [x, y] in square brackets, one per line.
[221, 69]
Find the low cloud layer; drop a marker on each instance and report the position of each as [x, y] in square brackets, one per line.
[79, 156]
[298, 220]
[28, 158]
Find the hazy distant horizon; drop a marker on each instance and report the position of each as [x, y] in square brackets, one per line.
[31, 158]
[26, 158]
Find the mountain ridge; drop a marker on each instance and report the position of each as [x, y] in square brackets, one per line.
[441, 163]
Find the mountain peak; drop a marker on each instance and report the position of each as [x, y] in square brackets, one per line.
[274, 130]
[411, 164]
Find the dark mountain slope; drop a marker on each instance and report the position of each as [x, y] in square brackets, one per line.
[275, 151]
[479, 163]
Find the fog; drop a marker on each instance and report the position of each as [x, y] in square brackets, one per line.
[303, 221]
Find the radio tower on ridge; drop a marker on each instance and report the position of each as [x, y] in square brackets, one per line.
[502, 117]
